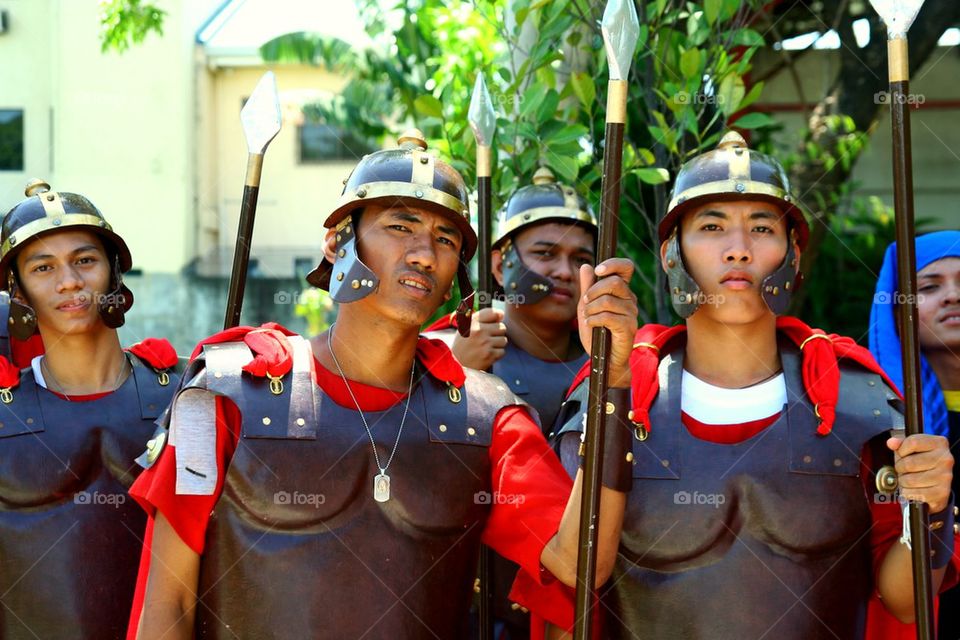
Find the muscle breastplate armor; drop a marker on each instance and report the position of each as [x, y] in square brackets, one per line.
[540, 384]
[70, 536]
[297, 547]
[764, 538]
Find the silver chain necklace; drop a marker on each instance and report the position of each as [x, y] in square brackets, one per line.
[49, 373]
[381, 481]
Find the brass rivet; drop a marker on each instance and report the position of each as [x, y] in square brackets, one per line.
[787, 286]
[872, 383]
[339, 237]
[418, 193]
[665, 463]
[936, 526]
[471, 431]
[514, 606]
[671, 263]
[630, 414]
[513, 285]
[361, 193]
[424, 159]
[629, 456]
[342, 252]
[876, 412]
[266, 421]
[509, 263]
[837, 462]
[355, 284]
[454, 394]
[301, 422]
[29, 420]
[340, 277]
[610, 408]
[443, 428]
[807, 459]
[217, 374]
[776, 291]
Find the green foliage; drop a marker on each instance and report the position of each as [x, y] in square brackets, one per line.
[841, 285]
[316, 306]
[127, 22]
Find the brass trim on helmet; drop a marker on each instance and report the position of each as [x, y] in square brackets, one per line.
[739, 163]
[52, 204]
[531, 216]
[388, 189]
[423, 166]
[48, 223]
[722, 187]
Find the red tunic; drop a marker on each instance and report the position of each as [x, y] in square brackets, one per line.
[521, 464]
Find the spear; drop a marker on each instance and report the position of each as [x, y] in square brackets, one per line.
[898, 16]
[260, 117]
[483, 121]
[620, 29]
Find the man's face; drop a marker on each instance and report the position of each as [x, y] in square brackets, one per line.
[415, 254]
[63, 275]
[556, 251]
[938, 286]
[729, 248]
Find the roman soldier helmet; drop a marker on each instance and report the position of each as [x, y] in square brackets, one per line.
[44, 212]
[732, 172]
[546, 200]
[408, 175]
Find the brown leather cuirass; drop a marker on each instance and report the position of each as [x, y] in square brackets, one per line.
[763, 538]
[70, 536]
[297, 546]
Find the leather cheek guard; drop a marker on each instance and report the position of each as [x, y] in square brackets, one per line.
[520, 284]
[685, 294]
[350, 279]
[617, 442]
[465, 307]
[777, 288]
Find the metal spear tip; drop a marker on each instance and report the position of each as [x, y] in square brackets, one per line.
[621, 30]
[898, 15]
[261, 115]
[482, 117]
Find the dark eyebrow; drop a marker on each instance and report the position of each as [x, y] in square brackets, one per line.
[933, 274]
[711, 213]
[47, 256]
[764, 215]
[553, 245]
[406, 216]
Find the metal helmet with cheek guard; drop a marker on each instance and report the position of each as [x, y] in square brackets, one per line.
[44, 212]
[408, 176]
[728, 173]
[546, 200]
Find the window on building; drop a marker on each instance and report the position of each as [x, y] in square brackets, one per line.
[323, 142]
[11, 139]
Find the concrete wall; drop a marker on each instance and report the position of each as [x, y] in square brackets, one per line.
[934, 125]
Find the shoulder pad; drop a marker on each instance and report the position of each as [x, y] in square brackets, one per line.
[20, 408]
[468, 414]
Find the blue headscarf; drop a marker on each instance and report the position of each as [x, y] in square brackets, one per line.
[884, 339]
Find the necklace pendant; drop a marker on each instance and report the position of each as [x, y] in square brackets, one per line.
[381, 487]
